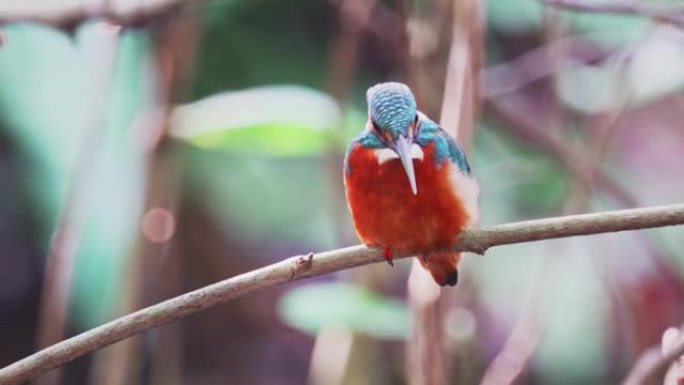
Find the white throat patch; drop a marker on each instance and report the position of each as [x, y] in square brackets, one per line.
[385, 154]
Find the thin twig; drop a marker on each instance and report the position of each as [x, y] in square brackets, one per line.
[343, 65]
[670, 15]
[60, 261]
[522, 117]
[299, 267]
[533, 65]
[173, 47]
[650, 367]
[426, 353]
[176, 45]
[512, 361]
[675, 372]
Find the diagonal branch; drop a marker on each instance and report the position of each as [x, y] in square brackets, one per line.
[299, 267]
[670, 15]
[521, 114]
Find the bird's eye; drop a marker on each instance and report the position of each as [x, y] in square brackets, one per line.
[413, 128]
[375, 126]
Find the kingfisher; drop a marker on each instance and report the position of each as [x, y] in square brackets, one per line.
[408, 183]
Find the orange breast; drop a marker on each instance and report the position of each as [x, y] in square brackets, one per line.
[387, 214]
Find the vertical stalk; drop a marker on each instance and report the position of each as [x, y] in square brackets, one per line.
[426, 349]
[174, 43]
[59, 264]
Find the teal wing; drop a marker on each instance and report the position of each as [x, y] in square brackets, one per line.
[456, 154]
[446, 146]
[366, 139]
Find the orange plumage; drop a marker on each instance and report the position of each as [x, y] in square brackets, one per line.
[386, 213]
[408, 183]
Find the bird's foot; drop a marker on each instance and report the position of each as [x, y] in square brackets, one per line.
[387, 253]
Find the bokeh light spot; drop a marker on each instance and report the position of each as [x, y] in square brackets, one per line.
[158, 225]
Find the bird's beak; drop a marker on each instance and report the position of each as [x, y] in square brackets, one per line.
[403, 148]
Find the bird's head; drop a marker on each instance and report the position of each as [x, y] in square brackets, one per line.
[393, 118]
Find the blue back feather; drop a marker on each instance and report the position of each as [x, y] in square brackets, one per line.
[446, 146]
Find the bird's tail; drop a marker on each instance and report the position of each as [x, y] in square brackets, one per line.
[442, 266]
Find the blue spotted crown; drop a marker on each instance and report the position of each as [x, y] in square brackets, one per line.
[391, 106]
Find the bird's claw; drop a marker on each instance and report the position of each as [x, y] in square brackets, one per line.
[387, 253]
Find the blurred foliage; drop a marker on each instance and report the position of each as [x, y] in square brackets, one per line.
[245, 41]
[521, 16]
[262, 198]
[314, 306]
[257, 135]
[267, 150]
[516, 16]
[50, 115]
[268, 121]
[646, 73]
[278, 139]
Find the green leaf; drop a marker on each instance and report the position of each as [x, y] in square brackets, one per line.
[274, 139]
[311, 307]
[272, 120]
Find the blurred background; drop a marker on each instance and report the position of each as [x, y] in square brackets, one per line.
[184, 142]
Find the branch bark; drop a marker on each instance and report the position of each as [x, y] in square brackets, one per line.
[299, 267]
